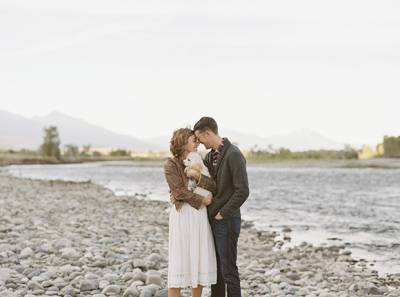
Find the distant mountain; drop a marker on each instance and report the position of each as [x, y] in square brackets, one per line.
[299, 140]
[245, 141]
[20, 132]
[304, 139]
[161, 141]
[79, 132]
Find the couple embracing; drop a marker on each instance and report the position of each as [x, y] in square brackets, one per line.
[204, 222]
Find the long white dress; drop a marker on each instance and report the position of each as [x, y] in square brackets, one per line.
[191, 254]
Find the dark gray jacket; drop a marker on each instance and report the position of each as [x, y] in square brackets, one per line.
[230, 176]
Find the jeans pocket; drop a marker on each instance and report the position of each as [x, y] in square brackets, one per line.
[220, 227]
[220, 222]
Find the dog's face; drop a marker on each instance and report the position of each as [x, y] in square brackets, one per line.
[192, 159]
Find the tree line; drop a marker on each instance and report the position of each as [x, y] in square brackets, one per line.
[391, 146]
[270, 153]
[51, 148]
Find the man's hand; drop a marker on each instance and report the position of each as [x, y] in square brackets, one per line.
[218, 216]
[207, 200]
[192, 173]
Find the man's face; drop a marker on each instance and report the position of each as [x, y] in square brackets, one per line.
[203, 137]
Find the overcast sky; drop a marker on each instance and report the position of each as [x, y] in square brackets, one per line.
[264, 67]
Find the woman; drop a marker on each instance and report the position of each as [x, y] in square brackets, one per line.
[191, 254]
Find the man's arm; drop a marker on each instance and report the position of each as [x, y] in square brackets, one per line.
[177, 187]
[237, 165]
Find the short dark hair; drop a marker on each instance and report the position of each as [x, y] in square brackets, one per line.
[206, 123]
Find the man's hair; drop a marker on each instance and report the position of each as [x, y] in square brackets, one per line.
[206, 123]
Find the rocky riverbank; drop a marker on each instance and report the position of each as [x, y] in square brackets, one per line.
[79, 239]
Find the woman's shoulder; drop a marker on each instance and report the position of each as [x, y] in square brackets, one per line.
[170, 162]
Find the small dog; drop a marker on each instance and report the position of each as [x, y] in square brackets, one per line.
[194, 161]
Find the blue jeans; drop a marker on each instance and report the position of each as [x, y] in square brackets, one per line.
[226, 233]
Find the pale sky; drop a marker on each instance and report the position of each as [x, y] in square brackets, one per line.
[144, 68]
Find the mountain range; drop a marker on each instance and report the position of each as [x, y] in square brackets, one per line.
[18, 132]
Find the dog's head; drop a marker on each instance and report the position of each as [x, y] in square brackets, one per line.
[193, 159]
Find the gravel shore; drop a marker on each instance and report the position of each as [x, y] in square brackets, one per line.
[78, 239]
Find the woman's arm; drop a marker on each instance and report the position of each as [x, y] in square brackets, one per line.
[178, 188]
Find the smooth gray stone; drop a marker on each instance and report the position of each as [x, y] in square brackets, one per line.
[131, 292]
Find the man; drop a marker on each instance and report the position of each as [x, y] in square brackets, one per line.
[227, 166]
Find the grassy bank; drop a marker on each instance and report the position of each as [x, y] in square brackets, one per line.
[283, 154]
[379, 163]
[31, 157]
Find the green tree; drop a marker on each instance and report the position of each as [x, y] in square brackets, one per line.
[119, 153]
[51, 143]
[97, 154]
[391, 146]
[86, 150]
[349, 152]
[71, 152]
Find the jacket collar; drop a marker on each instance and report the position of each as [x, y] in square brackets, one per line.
[221, 146]
[227, 144]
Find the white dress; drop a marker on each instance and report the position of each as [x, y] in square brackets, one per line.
[191, 253]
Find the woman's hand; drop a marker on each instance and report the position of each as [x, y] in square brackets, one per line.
[178, 204]
[207, 200]
[172, 198]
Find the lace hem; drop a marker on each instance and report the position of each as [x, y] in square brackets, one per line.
[186, 280]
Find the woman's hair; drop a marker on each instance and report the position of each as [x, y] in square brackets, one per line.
[178, 141]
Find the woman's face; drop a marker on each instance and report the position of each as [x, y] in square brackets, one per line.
[203, 137]
[192, 145]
